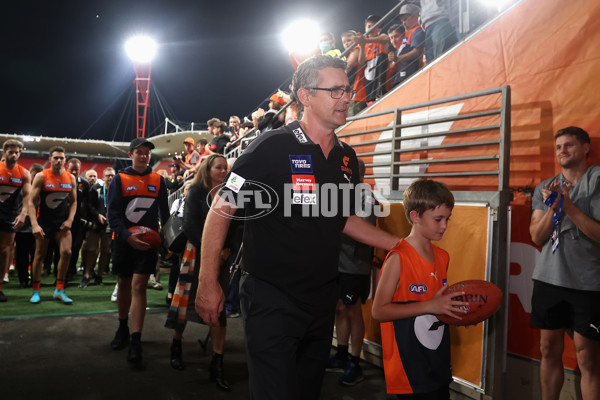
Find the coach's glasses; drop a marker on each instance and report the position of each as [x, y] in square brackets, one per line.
[337, 92]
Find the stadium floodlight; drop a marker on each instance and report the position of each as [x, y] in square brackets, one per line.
[141, 49]
[301, 36]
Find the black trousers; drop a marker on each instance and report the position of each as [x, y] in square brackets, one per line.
[25, 247]
[287, 345]
[77, 236]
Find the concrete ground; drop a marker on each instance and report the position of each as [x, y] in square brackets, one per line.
[69, 357]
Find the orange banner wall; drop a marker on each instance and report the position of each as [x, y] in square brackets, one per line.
[547, 52]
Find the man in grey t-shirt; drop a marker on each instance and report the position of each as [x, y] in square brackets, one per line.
[566, 293]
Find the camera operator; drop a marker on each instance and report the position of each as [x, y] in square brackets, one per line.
[99, 235]
[174, 180]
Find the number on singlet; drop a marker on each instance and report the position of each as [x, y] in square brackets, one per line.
[7, 191]
[137, 208]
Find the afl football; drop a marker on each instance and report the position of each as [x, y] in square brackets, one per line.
[484, 300]
[148, 235]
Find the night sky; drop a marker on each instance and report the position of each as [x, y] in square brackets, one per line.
[64, 71]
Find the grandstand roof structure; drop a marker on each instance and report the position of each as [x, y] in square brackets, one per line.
[165, 145]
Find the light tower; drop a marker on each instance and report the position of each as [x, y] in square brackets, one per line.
[141, 50]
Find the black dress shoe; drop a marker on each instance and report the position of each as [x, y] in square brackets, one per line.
[134, 355]
[176, 356]
[121, 339]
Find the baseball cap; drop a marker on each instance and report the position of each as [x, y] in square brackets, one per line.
[137, 142]
[410, 9]
[277, 99]
[189, 140]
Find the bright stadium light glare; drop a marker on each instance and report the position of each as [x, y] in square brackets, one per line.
[496, 4]
[141, 49]
[301, 36]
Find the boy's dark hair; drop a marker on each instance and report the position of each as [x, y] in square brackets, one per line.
[426, 194]
[36, 167]
[579, 134]
[396, 27]
[213, 122]
[203, 141]
[373, 18]
[56, 149]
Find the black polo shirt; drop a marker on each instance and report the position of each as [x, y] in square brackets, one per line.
[296, 203]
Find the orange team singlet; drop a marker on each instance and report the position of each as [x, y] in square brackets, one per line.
[11, 183]
[416, 350]
[139, 193]
[54, 199]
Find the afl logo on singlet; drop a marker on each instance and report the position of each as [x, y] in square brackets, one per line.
[131, 188]
[418, 288]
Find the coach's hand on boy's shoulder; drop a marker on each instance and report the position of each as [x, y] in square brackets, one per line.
[444, 303]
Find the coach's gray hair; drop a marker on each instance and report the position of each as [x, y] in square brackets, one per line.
[307, 74]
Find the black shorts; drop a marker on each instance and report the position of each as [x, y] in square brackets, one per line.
[50, 230]
[128, 261]
[6, 226]
[556, 307]
[354, 286]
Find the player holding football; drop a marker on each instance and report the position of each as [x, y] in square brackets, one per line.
[410, 294]
[136, 196]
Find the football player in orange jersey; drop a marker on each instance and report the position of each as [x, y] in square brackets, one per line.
[57, 192]
[15, 185]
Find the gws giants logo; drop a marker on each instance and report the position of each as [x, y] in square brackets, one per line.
[54, 199]
[6, 191]
[345, 168]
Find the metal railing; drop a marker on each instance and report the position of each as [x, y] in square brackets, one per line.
[400, 144]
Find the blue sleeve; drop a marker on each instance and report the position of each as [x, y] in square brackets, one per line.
[418, 38]
[116, 211]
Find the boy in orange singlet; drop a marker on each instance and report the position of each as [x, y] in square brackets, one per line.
[410, 295]
[57, 192]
